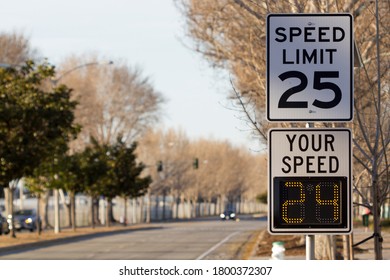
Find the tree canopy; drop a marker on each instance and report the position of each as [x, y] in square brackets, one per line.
[36, 119]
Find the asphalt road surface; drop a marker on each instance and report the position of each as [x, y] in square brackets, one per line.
[187, 240]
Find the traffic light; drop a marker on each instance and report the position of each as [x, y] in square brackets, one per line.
[160, 166]
[195, 163]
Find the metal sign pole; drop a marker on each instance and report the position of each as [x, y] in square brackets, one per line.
[310, 247]
[310, 241]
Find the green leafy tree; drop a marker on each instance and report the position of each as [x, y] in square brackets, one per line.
[34, 119]
[119, 173]
[42, 179]
[71, 178]
[127, 173]
[94, 166]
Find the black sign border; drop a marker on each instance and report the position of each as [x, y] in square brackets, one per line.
[344, 200]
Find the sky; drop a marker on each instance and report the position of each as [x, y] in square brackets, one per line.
[149, 34]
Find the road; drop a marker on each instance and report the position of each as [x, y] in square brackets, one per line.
[187, 240]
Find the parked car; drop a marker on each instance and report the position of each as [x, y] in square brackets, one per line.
[26, 219]
[4, 227]
[228, 215]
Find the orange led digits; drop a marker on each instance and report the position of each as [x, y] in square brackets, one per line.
[294, 203]
[327, 202]
[309, 202]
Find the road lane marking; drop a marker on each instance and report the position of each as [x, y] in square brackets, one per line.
[217, 245]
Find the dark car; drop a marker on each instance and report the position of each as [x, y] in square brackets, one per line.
[26, 219]
[4, 228]
[228, 215]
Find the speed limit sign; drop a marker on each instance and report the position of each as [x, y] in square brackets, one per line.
[309, 67]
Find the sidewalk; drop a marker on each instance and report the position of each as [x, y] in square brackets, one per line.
[368, 252]
[364, 251]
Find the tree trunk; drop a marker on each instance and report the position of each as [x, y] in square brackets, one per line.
[45, 209]
[177, 200]
[125, 211]
[109, 212]
[148, 207]
[68, 214]
[66, 207]
[92, 212]
[96, 210]
[156, 207]
[141, 207]
[193, 207]
[352, 255]
[9, 198]
[323, 247]
[209, 203]
[164, 205]
[378, 239]
[11, 208]
[346, 252]
[134, 211]
[57, 224]
[198, 207]
[183, 203]
[38, 221]
[377, 229]
[72, 200]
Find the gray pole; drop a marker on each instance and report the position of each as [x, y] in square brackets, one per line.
[310, 241]
[310, 247]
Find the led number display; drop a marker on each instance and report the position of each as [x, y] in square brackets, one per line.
[310, 203]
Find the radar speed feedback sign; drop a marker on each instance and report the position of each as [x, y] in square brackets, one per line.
[310, 181]
[309, 67]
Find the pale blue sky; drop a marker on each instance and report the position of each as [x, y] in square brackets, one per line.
[146, 33]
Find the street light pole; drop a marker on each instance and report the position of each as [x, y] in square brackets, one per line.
[57, 79]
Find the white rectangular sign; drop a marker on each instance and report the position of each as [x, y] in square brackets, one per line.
[309, 67]
[310, 152]
[310, 180]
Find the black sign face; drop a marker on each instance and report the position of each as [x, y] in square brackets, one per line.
[310, 203]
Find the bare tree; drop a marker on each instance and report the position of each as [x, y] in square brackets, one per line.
[201, 171]
[15, 48]
[113, 100]
[372, 126]
[170, 150]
